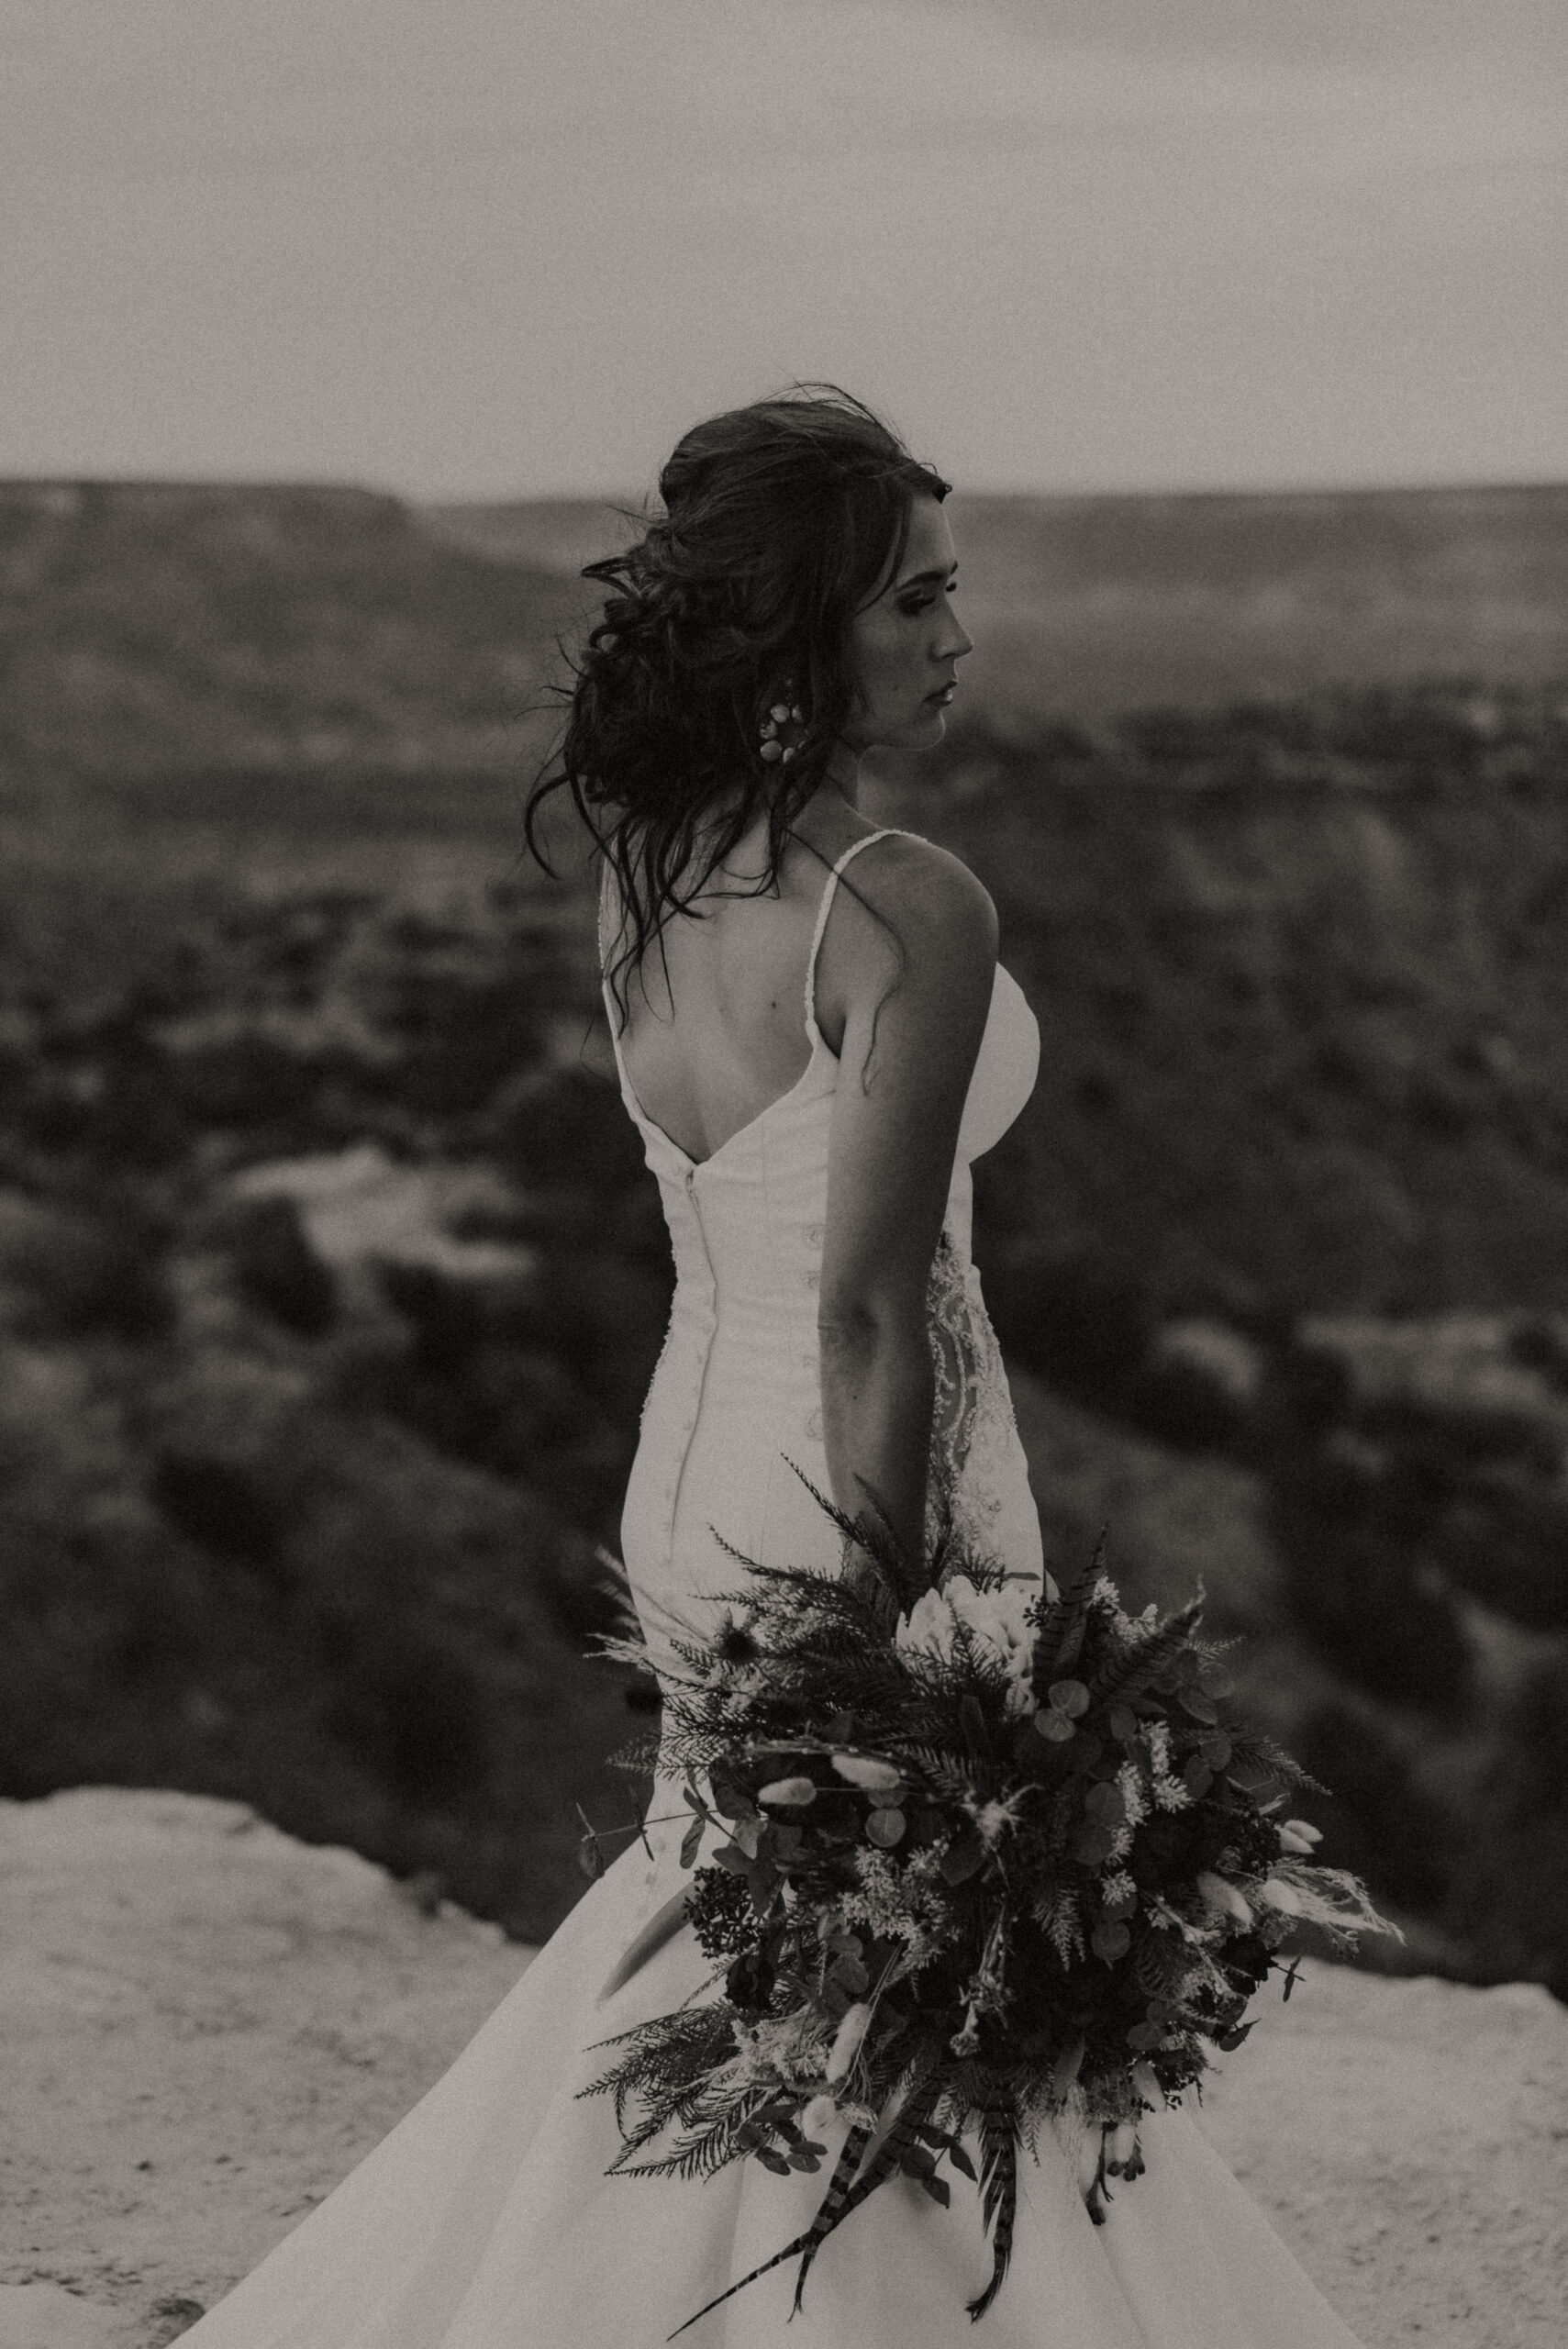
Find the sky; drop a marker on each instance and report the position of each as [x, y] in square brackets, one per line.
[507, 247]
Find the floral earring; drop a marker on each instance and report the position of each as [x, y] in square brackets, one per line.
[782, 712]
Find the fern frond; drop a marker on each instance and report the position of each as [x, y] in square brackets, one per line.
[1134, 1674]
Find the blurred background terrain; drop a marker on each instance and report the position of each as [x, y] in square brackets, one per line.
[330, 1279]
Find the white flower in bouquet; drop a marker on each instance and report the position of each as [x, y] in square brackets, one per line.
[994, 1819]
[928, 1625]
[997, 1620]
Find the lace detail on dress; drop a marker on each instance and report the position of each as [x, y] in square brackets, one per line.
[973, 1434]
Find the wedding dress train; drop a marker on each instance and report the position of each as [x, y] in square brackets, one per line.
[486, 2220]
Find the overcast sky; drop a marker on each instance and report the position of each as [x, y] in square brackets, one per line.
[503, 247]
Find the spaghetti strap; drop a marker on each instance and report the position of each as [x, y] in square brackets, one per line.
[611, 1015]
[888, 831]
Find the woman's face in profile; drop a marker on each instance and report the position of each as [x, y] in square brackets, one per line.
[904, 647]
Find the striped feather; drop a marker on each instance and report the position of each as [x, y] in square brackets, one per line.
[998, 2195]
[833, 2207]
[899, 2140]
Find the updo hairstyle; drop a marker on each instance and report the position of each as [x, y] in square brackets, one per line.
[781, 521]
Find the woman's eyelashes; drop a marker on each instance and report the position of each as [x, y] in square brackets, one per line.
[913, 607]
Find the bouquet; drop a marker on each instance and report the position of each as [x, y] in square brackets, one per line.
[959, 1870]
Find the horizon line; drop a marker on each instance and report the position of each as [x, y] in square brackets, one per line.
[616, 501]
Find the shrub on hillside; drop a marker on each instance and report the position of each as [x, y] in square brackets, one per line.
[278, 1271]
[1542, 1345]
[1453, 1438]
[1474, 1492]
[1512, 1553]
[223, 1506]
[541, 1382]
[1305, 1391]
[248, 1083]
[567, 1129]
[375, 1646]
[414, 1717]
[1534, 1773]
[461, 1037]
[1183, 1404]
[600, 1315]
[156, 1642]
[1090, 1332]
[1364, 1598]
[1511, 1902]
[451, 1317]
[112, 1108]
[82, 1274]
[1076, 1322]
[1375, 1821]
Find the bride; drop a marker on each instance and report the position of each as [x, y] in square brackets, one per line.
[815, 1041]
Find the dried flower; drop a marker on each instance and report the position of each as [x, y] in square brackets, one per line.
[1223, 1897]
[872, 1777]
[847, 2040]
[792, 1794]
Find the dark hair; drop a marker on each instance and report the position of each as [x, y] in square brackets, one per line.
[781, 520]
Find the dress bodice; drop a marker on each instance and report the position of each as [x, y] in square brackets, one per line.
[733, 1420]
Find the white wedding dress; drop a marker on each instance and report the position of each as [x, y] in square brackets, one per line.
[486, 2220]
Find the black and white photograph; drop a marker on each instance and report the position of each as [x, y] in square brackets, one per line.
[784, 1174]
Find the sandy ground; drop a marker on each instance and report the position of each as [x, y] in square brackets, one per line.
[204, 2024]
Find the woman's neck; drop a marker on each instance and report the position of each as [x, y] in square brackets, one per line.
[843, 774]
[839, 784]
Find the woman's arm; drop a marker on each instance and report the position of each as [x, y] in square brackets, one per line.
[912, 1027]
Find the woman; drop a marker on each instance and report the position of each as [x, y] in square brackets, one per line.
[815, 1041]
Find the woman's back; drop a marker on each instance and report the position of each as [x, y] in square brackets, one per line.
[716, 1013]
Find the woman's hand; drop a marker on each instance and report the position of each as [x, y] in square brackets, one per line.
[879, 1570]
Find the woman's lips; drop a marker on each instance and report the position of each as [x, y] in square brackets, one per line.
[944, 693]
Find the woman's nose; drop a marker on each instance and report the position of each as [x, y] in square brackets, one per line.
[957, 641]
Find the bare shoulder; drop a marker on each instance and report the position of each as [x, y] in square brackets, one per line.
[936, 906]
[912, 942]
